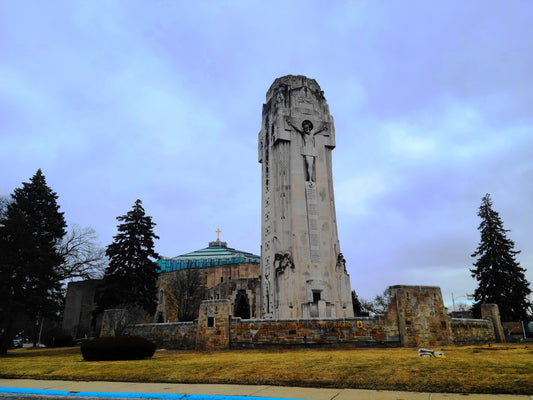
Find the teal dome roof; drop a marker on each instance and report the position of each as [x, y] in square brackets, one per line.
[217, 253]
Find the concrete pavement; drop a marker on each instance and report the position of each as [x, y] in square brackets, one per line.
[220, 392]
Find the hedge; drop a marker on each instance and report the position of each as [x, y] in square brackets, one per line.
[117, 348]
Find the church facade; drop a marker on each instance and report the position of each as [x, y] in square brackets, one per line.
[218, 271]
[221, 272]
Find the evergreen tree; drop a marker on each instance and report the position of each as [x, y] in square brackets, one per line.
[500, 277]
[357, 307]
[131, 278]
[30, 230]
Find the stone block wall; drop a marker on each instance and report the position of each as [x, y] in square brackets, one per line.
[415, 318]
[230, 289]
[213, 326]
[312, 332]
[421, 315]
[223, 273]
[470, 331]
[174, 335]
[491, 312]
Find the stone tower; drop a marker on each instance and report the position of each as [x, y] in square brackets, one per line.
[303, 272]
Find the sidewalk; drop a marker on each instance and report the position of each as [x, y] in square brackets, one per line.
[139, 390]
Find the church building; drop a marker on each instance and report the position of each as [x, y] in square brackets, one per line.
[224, 273]
[221, 271]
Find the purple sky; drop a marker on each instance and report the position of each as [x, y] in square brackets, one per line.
[161, 100]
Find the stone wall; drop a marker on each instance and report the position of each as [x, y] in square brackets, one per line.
[491, 312]
[223, 273]
[239, 290]
[470, 331]
[415, 317]
[174, 335]
[355, 332]
[213, 326]
[79, 307]
[421, 315]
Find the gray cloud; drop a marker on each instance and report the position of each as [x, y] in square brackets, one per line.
[432, 106]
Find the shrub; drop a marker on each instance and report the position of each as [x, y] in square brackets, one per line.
[57, 337]
[117, 348]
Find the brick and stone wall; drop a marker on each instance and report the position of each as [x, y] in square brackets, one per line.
[174, 335]
[213, 326]
[415, 317]
[421, 315]
[313, 332]
[491, 312]
[470, 331]
[230, 290]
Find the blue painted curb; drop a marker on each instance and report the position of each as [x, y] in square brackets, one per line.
[169, 396]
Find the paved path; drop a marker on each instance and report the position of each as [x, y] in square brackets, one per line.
[223, 392]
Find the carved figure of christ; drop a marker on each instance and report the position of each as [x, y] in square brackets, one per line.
[308, 150]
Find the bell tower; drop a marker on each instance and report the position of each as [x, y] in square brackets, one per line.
[303, 272]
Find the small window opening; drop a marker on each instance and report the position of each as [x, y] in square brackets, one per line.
[221, 279]
[316, 296]
[210, 322]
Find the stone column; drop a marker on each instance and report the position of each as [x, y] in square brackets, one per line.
[301, 261]
[492, 313]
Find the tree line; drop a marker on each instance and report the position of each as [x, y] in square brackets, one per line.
[501, 279]
[38, 255]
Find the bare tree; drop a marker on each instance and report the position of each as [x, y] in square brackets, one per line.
[116, 321]
[379, 305]
[4, 201]
[188, 289]
[84, 258]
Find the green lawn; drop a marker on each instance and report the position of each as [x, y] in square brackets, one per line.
[472, 369]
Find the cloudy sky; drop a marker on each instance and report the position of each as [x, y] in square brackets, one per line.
[161, 101]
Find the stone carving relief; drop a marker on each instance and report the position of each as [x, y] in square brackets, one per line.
[280, 98]
[267, 294]
[284, 178]
[282, 261]
[341, 263]
[308, 149]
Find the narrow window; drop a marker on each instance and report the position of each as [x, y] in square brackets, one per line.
[316, 296]
[210, 322]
